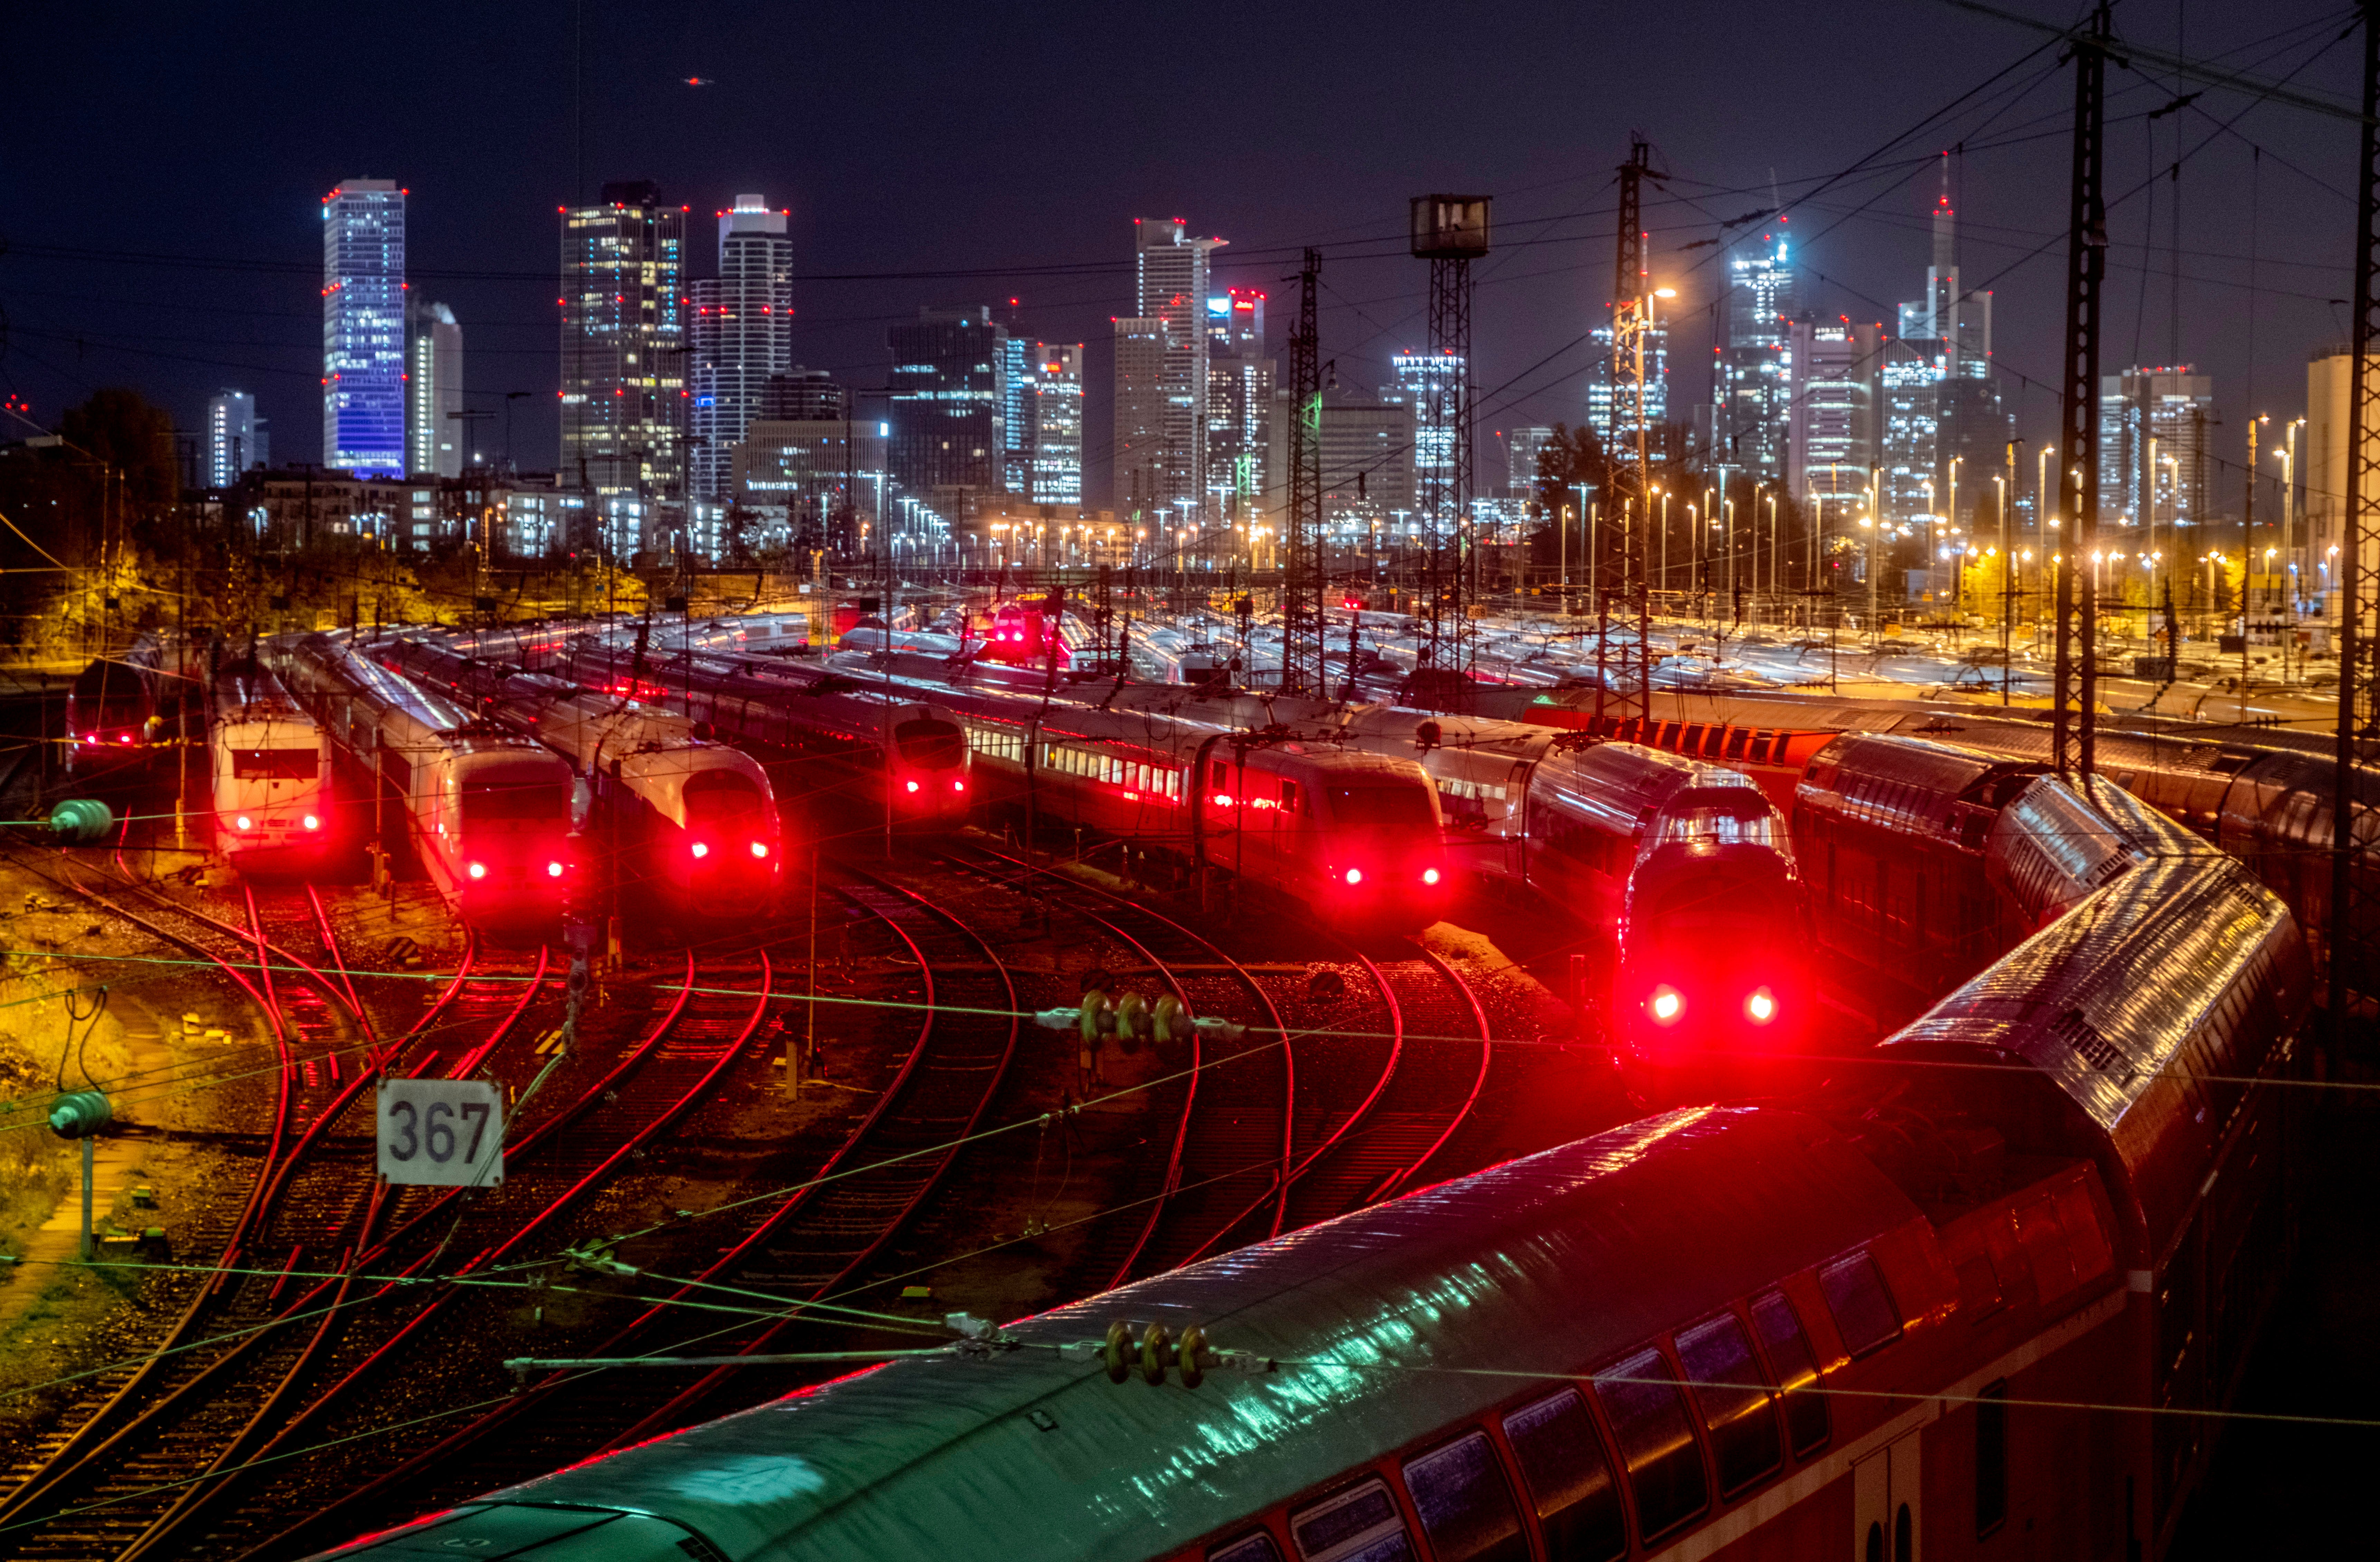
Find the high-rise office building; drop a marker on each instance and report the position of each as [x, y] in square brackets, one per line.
[2154, 446]
[231, 437]
[1755, 360]
[1239, 405]
[1522, 448]
[1057, 411]
[802, 395]
[743, 335]
[624, 369]
[1830, 422]
[1160, 440]
[363, 328]
[1432, 384]
[950, 425]
[1942, 400]
[1365, 452]
[1608, 400]
[434, 435]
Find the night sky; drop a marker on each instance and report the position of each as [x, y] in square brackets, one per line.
[159, 192]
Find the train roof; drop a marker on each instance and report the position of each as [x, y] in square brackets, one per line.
[2155, 1067]
[246, 690]
[1553, 1263]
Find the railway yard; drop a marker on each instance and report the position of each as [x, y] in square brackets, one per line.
[841, 1100]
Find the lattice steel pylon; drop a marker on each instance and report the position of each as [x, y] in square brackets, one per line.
[1616, 572]
[1449, 232]
[1302, 584]
[2071, 729]
[2352, 940]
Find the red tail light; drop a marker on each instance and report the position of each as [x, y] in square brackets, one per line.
[554, 870]
[1666, 1004]
[1354, 875]
[913, 786]
[759, 848]
[958, 786]
[700, 850]
[244, 822]
[1430, 876]
[313, 823]
[478, 870]
[1761, 1006]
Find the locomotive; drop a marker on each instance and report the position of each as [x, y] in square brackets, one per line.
[486, 811]
[270, 769]
[1927, 1311]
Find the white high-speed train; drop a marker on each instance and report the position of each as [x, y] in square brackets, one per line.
[270, 771]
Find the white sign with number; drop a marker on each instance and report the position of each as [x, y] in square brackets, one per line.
[445, 1133]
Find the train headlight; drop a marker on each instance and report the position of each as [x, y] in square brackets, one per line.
[313, 823]
[1666, 1004]
[554, 870]
[1761, 1006]
[1430, 876]
[244, 822]
[761, 848]
[1354, 875]
[478, 870]
[700, 850]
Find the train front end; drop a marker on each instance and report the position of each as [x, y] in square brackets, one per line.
[1713, 990]
[272, 792]
[1377, 852]
[503, 835]
[928, 770]
[728, 851]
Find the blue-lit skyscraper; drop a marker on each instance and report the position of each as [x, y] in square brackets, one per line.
[743, 336]
[363, 328]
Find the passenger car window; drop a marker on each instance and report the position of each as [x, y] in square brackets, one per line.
[1258, 1547]
[1863, 1312]
[1727, 1387]
[1359, 1526]
[1807, 1425]
[1569, 1478]
[1465, 1508]
[1656, 1441]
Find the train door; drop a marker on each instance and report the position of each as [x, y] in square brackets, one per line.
[1887, 1512]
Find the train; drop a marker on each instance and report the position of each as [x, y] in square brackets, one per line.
[114, 702]
[268, 765]
[856, 739]
[1978, 1293]
[691, 820]
[485, 811]
[1354, 837]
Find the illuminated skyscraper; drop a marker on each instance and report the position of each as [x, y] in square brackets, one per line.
[1420, 376]
[1830, 423]
[623, 390]
[1239, 405]
[1755, 364]
[950, 424]
[232, 446]
[1161, 431]
[1057, 413]
[434, 436]
[1941, 391]
[2152, 446]
[1600, 395]
[742, 331]
[363, 328]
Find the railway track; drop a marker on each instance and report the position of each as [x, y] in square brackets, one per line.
[1230, 1139]
[819, 1239]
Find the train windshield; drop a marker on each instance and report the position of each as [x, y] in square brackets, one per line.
[720, 797]
[1749, 823]
[1405, 808]
[934, 746]
[512, 804]
[276, 764]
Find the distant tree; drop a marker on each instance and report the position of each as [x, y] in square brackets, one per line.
[132, 435]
